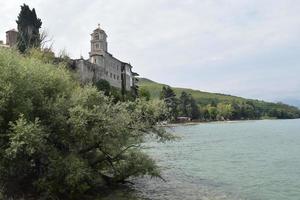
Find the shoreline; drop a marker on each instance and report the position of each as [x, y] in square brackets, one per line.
[224, 121]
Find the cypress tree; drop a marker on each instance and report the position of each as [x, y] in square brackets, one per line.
[28, 29]
[169, 97]
[188, 106]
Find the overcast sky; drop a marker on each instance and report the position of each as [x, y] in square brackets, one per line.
[238, 47]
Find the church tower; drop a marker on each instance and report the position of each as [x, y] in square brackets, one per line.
[98, 46]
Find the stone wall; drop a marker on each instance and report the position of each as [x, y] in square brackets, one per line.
[88, 72]
[113, 70]
[11, 37]
[128, 76]
[103, 65]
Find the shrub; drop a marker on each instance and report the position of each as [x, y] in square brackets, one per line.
[61, 140]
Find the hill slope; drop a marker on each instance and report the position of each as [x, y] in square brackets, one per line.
[206, 98]
[201, 97]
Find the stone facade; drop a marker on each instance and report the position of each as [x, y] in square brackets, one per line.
[11, 37]
[103, 65]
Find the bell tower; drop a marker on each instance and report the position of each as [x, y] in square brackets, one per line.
[98, 45]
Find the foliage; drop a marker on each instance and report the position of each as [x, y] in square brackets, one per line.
[224, 111]
[195, 111]
[212, 106]
[185, 108]
[145, 94]
[169, 97]
[103, 85]
[115, 93]
[45, 55]
[28, 29]
[59, 140]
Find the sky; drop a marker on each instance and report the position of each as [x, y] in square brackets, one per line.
[238, 47]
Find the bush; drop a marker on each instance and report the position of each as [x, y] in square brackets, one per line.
[103, 85]
[61, 140]
[143, 93]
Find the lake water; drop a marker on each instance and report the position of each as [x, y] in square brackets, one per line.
[248, 160]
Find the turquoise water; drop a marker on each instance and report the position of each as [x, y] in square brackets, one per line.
[251, 160]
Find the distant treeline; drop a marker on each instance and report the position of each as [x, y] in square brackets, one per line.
[216, 109]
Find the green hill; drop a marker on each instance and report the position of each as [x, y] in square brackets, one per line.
[202, 98]
[205, 98]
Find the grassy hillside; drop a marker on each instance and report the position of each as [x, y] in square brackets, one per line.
[201, 97]
[205, 98]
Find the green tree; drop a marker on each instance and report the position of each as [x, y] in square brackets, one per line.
[188, 106]
[103, 85]
[28, 29]
[45, 55]
[61, 140]
[169, 97]
[145, 94]
[205, 114]
[213, 112]
[236, 110]
[195, 113]
[185, 108]
[224, 111]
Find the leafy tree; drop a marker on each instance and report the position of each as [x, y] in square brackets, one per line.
[236, 110]
[185, 106]
[188, 106]
[214, 103]
[44, 55]
[169, 97]
[224, 111]
[213, 112]
[103, 85]
[28, 29]
[60, 140]
[195, 113]
[133, 93]
[145, 94]
[205, 114]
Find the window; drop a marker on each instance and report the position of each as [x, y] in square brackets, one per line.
[97, 46]
[110, 75]
[117, 77]
[114, 76]
[97, 37]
